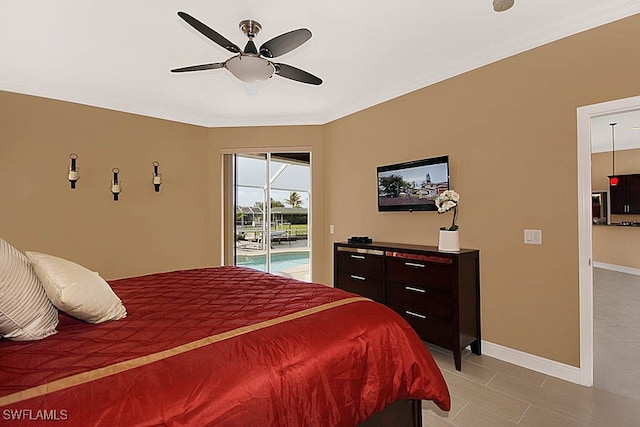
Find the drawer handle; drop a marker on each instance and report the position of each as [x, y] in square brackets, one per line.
[357, 256]
[414, 264]
[358, 277]
[420, 291]
[419, 316]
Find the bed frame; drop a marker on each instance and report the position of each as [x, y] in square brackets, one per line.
[401, 413]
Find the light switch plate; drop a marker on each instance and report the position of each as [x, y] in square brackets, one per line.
[533, 237]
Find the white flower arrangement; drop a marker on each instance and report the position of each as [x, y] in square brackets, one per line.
[446, 201]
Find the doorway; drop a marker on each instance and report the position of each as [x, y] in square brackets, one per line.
[585, 220]
[271, 212]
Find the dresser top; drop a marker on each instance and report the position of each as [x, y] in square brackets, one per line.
[402, 247]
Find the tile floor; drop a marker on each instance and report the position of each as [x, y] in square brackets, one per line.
[492, 393]
[616, 344]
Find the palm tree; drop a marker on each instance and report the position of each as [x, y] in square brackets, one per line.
[294, 200]
[274, 204]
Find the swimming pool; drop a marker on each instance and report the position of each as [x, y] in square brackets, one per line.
[279, 261]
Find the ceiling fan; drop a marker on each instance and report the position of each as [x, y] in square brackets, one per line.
[253, 65]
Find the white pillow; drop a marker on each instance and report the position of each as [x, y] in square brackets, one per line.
[75, 290]
[25, 311]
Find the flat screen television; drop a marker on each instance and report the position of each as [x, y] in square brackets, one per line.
[412, 186]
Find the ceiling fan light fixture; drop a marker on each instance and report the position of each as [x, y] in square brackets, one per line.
[253, 65]
[250, 68]
[502, 5]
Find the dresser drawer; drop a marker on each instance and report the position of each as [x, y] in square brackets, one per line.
[430, 329]
[430, 275]
[362, 263]
[366, 286]
[419, 299]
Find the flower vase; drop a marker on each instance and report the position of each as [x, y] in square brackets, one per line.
[449, 241]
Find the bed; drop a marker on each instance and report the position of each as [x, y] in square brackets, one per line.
[223, 346]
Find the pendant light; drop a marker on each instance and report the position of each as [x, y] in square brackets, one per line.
[613, 179]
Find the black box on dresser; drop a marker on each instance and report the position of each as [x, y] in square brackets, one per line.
[438, 293]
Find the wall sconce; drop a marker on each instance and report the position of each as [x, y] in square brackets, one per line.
[73, 170]
[157, 177]
[116, 186]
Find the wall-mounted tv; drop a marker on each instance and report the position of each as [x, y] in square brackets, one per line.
[412, 186]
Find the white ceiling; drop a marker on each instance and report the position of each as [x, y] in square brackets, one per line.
[117, 54]
[625, 135]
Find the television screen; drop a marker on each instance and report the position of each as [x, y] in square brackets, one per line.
[412, 186]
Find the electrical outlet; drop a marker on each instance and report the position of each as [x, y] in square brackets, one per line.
[533, 237]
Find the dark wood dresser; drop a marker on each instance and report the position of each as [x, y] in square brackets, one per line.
[438, 293]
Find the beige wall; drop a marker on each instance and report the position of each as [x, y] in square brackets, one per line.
[510, 129]
[144, 231]
[615, 245]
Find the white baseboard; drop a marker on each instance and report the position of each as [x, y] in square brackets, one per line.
[533, 362]
[618, 268]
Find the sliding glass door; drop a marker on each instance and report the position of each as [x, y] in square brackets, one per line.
[271, 201]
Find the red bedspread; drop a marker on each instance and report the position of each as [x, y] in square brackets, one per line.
[223, 346]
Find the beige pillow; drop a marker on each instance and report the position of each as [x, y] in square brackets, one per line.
[75, 290]
[25, 311]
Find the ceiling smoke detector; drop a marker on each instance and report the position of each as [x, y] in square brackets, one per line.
[502, 5]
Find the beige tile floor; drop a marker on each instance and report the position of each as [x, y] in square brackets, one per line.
[616, 344]
[492, 393]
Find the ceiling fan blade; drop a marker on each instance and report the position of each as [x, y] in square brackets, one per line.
[209, 33]
[293, 73]
[213, 66]
[284, 43]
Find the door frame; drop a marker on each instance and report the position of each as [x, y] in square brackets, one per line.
[585, 244]
[228, 235]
